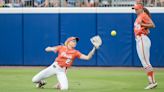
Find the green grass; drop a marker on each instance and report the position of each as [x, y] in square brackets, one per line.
[81, 80]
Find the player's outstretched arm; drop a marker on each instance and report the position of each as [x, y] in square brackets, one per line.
[49, 49]
[89, 56]
[97, 42]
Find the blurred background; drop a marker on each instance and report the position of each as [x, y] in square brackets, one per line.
[78, 3]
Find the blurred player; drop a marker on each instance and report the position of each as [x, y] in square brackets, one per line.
[141, 29]
[92, 3]
[71, 3]
[66, 55]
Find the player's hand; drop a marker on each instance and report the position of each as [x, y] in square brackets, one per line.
[48, 49]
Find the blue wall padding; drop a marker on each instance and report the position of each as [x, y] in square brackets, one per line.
[25, 36]
[157, 38]
[40, 31]
[115, 51]
[11, 39]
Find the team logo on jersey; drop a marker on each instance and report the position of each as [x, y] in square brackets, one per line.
[64, 54]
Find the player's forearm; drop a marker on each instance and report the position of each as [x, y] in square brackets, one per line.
[91, 53]
[151, 25]
[49, 49]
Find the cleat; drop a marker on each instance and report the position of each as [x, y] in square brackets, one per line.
[151, 86]
[41, 84]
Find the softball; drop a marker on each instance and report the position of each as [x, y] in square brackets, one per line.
[113, 33]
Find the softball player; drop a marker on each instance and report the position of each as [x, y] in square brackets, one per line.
[141, 29]
[66, 55]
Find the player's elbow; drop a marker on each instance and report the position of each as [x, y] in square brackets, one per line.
[153, 26]
[85, 57]
[88, 58]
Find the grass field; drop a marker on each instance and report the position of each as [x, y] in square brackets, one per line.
[81, 80]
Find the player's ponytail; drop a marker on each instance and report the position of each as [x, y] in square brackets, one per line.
[147, 12]
[145, 9]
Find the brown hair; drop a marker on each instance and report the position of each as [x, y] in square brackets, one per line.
[147, 12]
[145, 9]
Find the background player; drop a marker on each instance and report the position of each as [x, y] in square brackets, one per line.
[66, 55]
[141, 29]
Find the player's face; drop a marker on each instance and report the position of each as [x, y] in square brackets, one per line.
[73, 43]
[138, 11]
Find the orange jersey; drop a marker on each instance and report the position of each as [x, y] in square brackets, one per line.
[138, 29]
[66, 56]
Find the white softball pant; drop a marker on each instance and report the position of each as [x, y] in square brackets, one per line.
[54, 69]
[143, 45]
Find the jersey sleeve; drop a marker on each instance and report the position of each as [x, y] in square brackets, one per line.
[57, 48]
[146, 19]
[78, 54]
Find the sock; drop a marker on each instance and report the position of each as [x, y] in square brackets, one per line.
[151, 77]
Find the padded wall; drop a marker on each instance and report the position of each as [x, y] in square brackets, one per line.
[40, 31]
[115, 51]
[11, 39]
[24, 36]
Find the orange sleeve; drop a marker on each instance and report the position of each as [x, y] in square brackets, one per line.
[146, 19]
[78, 54]
[57, 48]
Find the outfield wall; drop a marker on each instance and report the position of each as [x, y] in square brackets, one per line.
[26, 32]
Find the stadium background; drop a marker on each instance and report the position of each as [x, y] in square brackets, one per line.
[25, 33]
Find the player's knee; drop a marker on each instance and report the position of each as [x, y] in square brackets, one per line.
[34, 80]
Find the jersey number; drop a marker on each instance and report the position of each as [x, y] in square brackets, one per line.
[68, 61]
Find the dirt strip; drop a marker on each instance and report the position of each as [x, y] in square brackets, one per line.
[79, 67]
